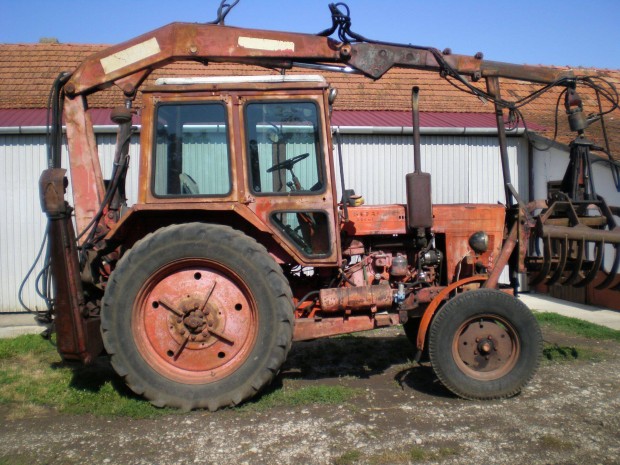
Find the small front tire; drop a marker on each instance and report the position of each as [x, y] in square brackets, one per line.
[485, 344]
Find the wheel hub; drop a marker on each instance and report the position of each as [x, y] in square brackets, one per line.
[485, 347]
[197, 323]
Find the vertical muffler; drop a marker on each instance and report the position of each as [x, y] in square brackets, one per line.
[418, 184]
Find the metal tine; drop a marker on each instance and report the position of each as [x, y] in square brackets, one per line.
[559, 271]
[596, 265]
[612, 273]
[577, 267]
[540, 277]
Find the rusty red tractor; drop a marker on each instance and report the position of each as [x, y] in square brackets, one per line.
[238, 243]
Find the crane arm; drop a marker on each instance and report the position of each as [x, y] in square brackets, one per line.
[128, 63]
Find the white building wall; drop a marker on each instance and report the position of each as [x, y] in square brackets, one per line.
[463, 169]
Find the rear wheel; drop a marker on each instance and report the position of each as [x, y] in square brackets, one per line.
[485, 344]
[196, 316]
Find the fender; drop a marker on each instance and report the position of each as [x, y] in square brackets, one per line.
[434, 305]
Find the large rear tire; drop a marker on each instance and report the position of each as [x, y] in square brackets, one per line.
[197, 316]
[485, 344]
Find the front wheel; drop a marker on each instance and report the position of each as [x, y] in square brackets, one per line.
[485, 344]
[197, 315]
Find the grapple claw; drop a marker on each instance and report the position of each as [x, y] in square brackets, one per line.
[569, 231]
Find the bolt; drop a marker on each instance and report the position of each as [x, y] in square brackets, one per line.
[477, 339]
[210, 324]
[179, 320]
[193, 338]
[195, 306]
[193, 49]
[475, 352]
[182, 332]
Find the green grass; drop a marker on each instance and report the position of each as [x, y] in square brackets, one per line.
[34, 345]
[557, 353]
[33, 377]
[414, 454]
[553, 443]
[348, 458]
[292, 395]
[577, 327]
[16, 460]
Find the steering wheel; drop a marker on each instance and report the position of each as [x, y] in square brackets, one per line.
[288, 164]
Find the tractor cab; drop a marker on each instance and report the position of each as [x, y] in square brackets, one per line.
[251, 151]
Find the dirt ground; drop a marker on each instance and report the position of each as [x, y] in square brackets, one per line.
[568, 414]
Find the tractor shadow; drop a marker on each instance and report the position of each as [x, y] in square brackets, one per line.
[378, 359]
[93, 377]
[382, 360]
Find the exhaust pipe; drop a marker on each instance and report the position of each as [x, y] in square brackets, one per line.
[418, 184]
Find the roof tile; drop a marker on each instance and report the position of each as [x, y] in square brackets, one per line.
[28, 70]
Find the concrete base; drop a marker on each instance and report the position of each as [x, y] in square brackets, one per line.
[598, 315]
[16, 324]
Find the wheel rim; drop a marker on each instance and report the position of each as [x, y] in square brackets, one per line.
[486, 347]
[194, 321]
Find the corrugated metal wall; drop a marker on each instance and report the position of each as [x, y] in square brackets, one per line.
[464, 169]
[22, 159]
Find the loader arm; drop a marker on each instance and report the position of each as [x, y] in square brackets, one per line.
[128, 63]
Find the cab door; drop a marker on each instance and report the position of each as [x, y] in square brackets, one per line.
[288, 173]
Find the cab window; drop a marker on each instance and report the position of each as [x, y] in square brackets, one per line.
[191, 150]
[283, 146]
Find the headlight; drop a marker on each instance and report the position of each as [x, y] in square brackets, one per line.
[479, 242]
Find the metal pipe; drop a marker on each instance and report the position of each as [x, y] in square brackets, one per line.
[502, 259]
[401, 130]
[415, 120]
[581, 233]
[355, 298]
[493, 89]
[345, 196]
